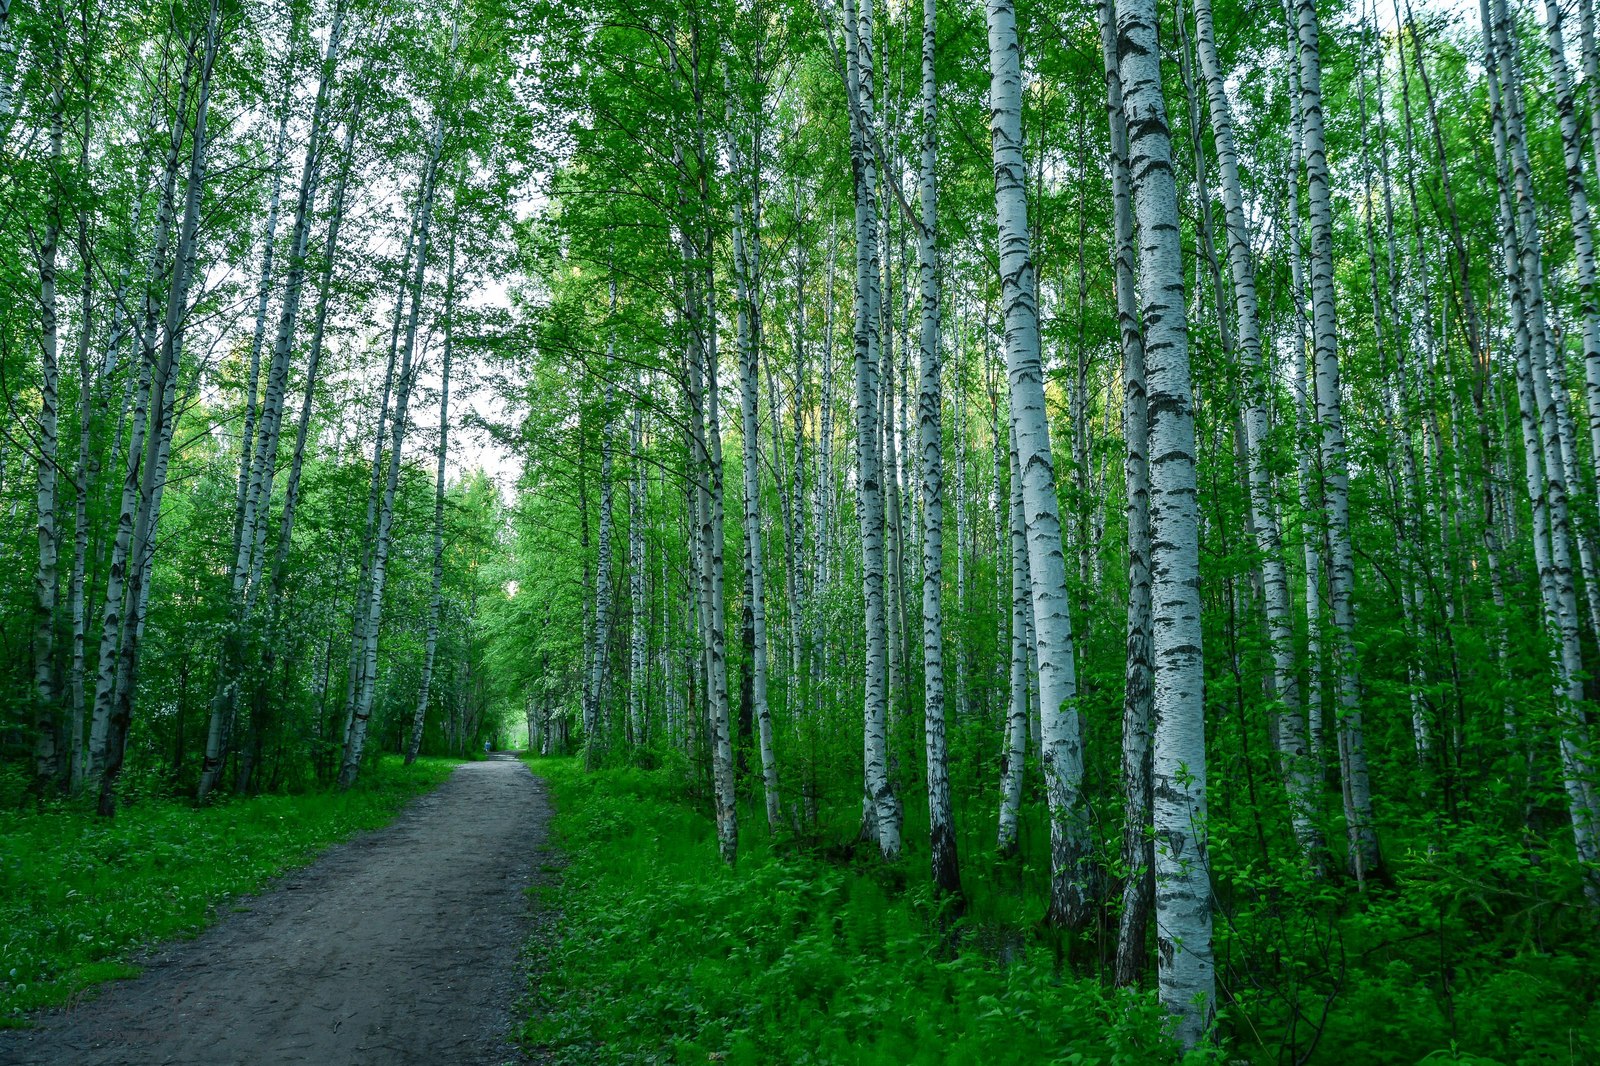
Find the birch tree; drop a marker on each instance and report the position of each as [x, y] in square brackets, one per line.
[1070, 871]
[1183, 888]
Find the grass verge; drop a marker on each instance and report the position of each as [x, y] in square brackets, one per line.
[664, 955]
[80, 895]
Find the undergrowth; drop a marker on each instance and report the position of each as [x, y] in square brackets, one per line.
[663, 955]
[80, 895]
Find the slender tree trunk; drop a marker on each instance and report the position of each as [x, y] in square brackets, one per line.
[269, 238]
[1071, 872]
[747, 280]
[113, 615]
[1291, 740]
[638, 681]
[1364, 857]
[250, 546]
[1183, 886]
[1016, 722]
[83, 478]
[46, 753]
[600, 634]
[431, 641]
[1138, 891]
[880, 805]
[930, 419]
[1541, 436]
[355, 742]
[291, 491]
[158, 438]
[1305, 426]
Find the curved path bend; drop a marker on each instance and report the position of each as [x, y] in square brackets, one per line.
[401, 947]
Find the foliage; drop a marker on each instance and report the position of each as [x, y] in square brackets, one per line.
[657, 953]
[661, 954]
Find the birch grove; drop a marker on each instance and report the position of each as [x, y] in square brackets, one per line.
[1125, 478]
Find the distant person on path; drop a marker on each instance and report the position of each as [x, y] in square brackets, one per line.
[486, 747]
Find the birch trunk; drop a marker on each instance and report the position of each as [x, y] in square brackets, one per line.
[358, 627]
[1364, 857]
[269, 238]
[355, 741]
[638, 682]
[1541, 432]
[8, 62]
[1183, 888]
[84, 479]
[1139, 889]
[46, 754]
[1305, 427]
[250, 544]
[1589, 308]
[158, 438]
[431, 641]
[713, 517]
[291, 491]
[930, 418]
[746, 275]
[249, 563]
[113, 615]
[1071, 872]
[600, 634]
[1014, 753]
[879, 801]
[1291, 740]
[1591, 77]
[699, 313]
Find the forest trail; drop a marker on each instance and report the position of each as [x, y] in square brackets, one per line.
[399, 947]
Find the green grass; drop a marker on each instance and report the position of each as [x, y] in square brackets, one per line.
[80, 895]
[663, 955]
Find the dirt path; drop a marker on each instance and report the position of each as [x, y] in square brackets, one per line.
[400, 947]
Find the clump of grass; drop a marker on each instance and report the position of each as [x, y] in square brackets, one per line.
[79, 895]
[664, 955]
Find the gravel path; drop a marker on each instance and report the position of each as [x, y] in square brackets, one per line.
[400, 947]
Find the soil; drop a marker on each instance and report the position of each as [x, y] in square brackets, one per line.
[400, 947]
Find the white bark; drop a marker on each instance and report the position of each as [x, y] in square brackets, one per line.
[431, 639]
[372, 607]
[291, 491]
[46, 757]
[930, 416]
[113, 615]
[746, 275]
[269, 238]
[8, 62]
[1070, 868]
[1363, 835]
[599, 653]
[1546, 474]
[158, 438]
[879, 800]
[1137, 894]
[1015, 749]
[1291, 740]
[1185, 968]
[638, 682]
[251, 520]
[251, 558]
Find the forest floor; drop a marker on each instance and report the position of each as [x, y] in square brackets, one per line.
[399, 947]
